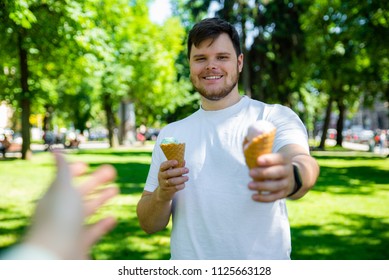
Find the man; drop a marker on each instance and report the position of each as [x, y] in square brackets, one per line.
[220, 209]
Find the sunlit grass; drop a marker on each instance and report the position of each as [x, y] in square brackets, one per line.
[343, 217]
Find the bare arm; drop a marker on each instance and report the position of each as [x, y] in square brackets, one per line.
[153, 213]
[154, 208]
[274, 179]
[308, 166]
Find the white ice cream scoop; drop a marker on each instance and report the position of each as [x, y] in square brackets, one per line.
[258, 128]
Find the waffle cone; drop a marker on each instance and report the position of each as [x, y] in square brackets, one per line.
[174, 151]
[260, 145]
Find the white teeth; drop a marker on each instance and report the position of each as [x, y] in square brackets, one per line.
[213, 77]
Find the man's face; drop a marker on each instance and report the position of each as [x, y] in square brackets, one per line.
[215, 68]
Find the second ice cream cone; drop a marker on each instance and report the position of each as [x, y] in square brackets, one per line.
[260, 145]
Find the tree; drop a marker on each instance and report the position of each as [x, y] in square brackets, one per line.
[32, 46]
[339, 35]
[139, 63]
[90, 54]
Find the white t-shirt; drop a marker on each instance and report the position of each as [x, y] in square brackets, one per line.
[214, 217]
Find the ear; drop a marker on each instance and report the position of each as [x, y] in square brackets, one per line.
[240, 62]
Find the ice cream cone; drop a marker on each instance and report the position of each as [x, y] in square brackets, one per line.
[174, 151]
[260, 145]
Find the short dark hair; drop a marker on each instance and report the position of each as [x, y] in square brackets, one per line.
[211, 28]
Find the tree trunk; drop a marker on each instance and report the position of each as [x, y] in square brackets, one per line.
[111, 126]
[122, 130]
[47, 120]
[25, 99]
[326, 124]
[339, 125]
[246, 63]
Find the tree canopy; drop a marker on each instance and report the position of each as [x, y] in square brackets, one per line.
[79, 61]
[77, 58]
[308, 55]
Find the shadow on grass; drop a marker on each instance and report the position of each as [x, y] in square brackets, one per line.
[113, 152]
[363, 238]
[128, 242]
[131, 177]
[351, 180]
[348, 156]
[16, 224]
[8, 158]
[359, 236]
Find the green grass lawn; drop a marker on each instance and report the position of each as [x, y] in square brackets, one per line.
[344, 217]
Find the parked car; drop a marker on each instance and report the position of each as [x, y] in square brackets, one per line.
[358, 134]
[151, 134]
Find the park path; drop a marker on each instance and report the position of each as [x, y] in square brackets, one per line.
[104, 145]
[358, 147]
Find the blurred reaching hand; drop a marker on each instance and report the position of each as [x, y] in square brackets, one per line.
[58, 223]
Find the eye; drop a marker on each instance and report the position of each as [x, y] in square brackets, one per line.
[222, 57]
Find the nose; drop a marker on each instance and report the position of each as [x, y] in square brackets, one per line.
[211, 65]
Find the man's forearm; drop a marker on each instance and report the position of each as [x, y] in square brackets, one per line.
[153, 213]
[307, 165]
[309, 170]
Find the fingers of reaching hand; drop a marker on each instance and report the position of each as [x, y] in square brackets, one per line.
[95, 231]
[95, 195]
[78, 168]
[100, 176]
[98, 198]
[66, 171]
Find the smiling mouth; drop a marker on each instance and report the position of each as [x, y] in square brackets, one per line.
[213, 77]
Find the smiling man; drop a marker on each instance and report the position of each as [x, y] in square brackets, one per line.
[214, 70]
[220, 209]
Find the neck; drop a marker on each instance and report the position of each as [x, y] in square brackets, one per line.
[215, 105]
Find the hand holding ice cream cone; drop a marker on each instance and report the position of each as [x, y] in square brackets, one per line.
[259, 141]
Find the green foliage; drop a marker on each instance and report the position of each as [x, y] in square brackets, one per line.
[19, 13]
[154, 86]
[94, 48]
[299, 53]
[305, 53]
